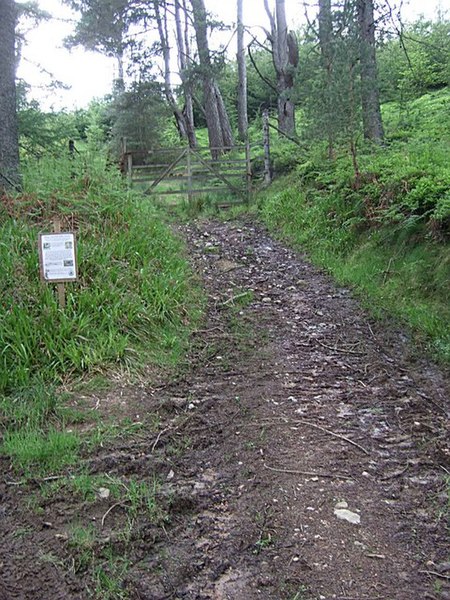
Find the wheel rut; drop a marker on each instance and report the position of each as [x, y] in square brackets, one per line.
[303, 451]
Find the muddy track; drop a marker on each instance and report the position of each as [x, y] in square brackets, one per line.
[303, 451]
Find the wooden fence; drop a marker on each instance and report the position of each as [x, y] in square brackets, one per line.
[190, 171]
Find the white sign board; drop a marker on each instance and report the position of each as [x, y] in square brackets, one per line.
[57, 255]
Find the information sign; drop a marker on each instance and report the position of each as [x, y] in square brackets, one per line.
[57, 256]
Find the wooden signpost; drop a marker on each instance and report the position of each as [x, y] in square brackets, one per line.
[58, 259]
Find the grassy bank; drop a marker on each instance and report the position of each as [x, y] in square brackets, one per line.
[134, 304]
[385, 230]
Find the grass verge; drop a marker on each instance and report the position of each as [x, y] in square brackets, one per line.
[396, 267]
[135, 303]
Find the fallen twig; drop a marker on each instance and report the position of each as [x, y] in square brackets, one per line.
[336, 349]
[360, 598]
[206, 331]
[42, 480]
[306, 473]
[288, 421]
[436, 574]
[109, 510]
[387, 270]
[155, 443]
[337, 435]
[237, 297]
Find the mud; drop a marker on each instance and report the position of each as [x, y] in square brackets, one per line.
[294, 409]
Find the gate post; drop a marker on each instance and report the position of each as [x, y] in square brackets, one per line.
[189, 173]
[266, 141]
[248, 162]
[129, 168]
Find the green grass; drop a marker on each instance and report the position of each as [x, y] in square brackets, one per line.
[392, 269]
[134, 305]
[39, 453]
[385, 233]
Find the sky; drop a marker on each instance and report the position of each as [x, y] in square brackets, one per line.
[89, 75]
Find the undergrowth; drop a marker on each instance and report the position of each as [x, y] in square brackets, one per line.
[385, 229]
[134, 303]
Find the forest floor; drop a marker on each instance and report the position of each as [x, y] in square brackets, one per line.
[303, 455]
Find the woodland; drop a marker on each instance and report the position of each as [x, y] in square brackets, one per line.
[348, 118]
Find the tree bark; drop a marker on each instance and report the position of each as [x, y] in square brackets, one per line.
[161, 21]
[285, 61]
[9, 137]
[119, 83]
[326, 52]
[182, 38]
[217, 120]
[242, 76]
[370, 100]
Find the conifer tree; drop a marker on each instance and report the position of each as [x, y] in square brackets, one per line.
[242, 76]
[9, 142]
[370, 98]
[285, 60]
[217, 120]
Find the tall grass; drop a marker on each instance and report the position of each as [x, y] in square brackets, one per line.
[134, 303]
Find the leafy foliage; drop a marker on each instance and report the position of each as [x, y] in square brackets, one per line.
[385, 230]
[418, 62]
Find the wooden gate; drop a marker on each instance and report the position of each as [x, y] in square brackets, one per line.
[190, 172]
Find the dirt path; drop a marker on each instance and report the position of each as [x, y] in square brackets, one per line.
[303, 453]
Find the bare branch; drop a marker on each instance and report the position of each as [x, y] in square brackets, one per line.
[269, 83]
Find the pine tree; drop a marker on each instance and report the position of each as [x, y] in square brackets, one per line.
[217, 120]
[370, 99]
[285, 60]
[9, 142]
[242, 76]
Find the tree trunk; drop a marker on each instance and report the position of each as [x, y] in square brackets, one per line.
[225, 125]
[161, 21]
[217, 121]
[370, 100]
[9, 137]
[215, 135]
[242, 76]
[326, 51]
[285, 60]
[119, 83]
[182, 38]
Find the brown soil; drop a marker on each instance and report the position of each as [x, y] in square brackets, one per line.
[295, 408]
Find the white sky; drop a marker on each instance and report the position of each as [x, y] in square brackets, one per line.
[90, 74]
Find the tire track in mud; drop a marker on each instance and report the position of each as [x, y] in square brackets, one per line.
[296, 409]
[335, 415]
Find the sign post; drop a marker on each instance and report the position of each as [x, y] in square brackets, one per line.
[58, 259]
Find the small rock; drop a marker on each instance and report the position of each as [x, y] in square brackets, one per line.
[191, 406]
[170, 475]
[103, 493]
[347, 515]
[342, 504]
